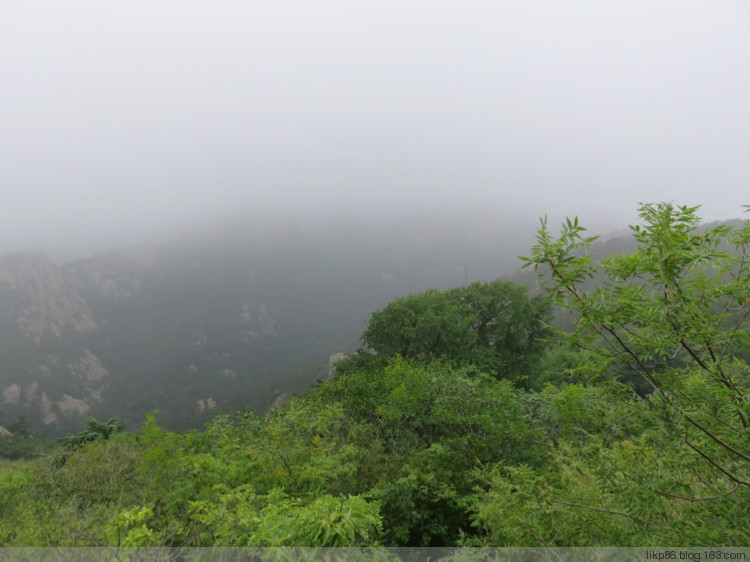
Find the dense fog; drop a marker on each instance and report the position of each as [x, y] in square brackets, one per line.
[121, 120]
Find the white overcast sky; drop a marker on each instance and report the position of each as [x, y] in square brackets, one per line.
[118, 118]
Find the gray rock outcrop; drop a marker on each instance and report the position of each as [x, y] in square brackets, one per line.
[332, 360]
[38, 298]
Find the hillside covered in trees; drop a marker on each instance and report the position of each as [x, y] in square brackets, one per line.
[466, 419]
[207, 320]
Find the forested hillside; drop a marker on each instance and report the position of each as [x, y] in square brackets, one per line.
[465, 419]
[211, 319]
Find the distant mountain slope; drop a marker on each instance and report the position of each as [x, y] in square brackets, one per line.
[216, 318]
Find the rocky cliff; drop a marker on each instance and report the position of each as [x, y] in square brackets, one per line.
[45, 369]
[40, 299]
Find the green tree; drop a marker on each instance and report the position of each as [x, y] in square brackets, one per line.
[614, 478]
[683, 294]
[424, 428]
[94, 431]
[21, 427]
[495, 326]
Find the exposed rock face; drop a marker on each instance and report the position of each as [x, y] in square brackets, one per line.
[88, 367]
[31, 391]
[280, 400]
[48, 416]
[69, 405]
[332, 360]
[117, 287]
[261, 316]
[39, 299]
[43, 314]
[4, 432]
[12, 394]
[205, 404]
[247, 336]
[112, 273]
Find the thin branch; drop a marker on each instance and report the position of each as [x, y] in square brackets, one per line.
[707, 346]
[97, 542]
[714, 437]
[708, 485]
[692, 353]
[701, 453]
[737, 278]
[602, 510]
[741, 320]
[722, 422]
[600, 328]
[639, 336]
[722, 378]
[692, 500]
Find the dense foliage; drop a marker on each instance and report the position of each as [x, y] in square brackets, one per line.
[494, 326]
[429, 442]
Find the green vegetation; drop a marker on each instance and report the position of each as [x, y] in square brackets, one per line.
[19, 442]
[94, 432]
[493, 326]
[445, 429]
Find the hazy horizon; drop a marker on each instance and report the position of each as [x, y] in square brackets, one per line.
[123, 120]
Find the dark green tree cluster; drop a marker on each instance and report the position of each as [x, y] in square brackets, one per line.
[427, 443]
[494, 326]
[21, 443]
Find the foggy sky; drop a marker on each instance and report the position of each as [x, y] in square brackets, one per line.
[122, 118]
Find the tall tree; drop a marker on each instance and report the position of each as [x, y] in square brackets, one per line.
[683, 293]
[495, 326]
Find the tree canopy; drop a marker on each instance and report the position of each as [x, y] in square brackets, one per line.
[683, 294]
[495, 326]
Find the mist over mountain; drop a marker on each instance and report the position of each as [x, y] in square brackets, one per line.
[205, 206]
[219, 317]
[363, 152]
